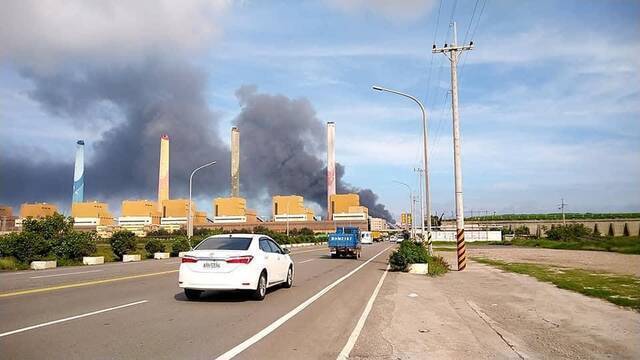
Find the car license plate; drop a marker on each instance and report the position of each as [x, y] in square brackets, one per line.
[211, 265]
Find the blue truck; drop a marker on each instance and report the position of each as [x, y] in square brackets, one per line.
[345, 242]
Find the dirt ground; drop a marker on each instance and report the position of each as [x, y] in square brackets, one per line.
[582, 259]
[485, 313]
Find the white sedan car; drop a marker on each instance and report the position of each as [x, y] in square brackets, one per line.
[250, 262]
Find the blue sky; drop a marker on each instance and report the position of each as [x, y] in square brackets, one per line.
[549, 98]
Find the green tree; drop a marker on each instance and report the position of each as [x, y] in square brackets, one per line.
[123, 242]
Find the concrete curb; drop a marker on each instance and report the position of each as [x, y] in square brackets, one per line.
[93, 260]
[130, 258]
[421, 269]
[42, 265]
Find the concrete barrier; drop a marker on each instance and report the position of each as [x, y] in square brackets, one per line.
[93, 260]
[161, 255]
[42, 265]
[422, 269]
[130, 258]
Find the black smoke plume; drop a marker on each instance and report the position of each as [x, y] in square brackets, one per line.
[143, 102]
[281, 143]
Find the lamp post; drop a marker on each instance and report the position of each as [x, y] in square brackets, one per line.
[410, 203]
[189, 215]
[425, 160]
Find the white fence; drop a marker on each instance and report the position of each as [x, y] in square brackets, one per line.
[469, 235]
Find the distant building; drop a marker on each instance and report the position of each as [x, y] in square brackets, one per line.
[139, 216]
[405, 220]
[36, 211]
[233, 210]
[91, 214]
[175, 212]
[290, 208]
[378, 224]
[346, 207]
[7, 220]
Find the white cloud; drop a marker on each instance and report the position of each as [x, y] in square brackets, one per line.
[395, 10]
[45, 32]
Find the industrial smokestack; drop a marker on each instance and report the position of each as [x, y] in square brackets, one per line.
[163, 173]
[78, 173]
[235, 162]
[331, 166]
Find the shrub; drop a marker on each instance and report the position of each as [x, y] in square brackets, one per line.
[74, 245]
[122, 242]
[521, 230]
[179, 244]
[437, 266]
[154, 245]
[569, 232]
[27, 247]
[409, 253]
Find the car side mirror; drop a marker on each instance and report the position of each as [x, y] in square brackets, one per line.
[286, 251]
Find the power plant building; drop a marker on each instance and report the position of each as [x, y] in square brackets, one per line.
[91, 214]
[406, 220]
[78, 174]
[139, 216]
[290, 208]
[378, 224]
[6, 218]
[233, 210]
[36, 211]
[344, 207]
[175, 213]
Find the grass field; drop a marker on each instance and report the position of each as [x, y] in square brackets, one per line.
[623, 290]
[622, 244]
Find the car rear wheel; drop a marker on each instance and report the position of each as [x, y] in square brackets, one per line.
[261, 290]
[289, 282]
[192, 294]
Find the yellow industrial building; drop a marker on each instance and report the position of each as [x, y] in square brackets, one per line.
[232, 209]
[347, 207]
[6, 211]
[175, 211]
[290, 208]
[91, 214]
[139, 216]
[36, 211]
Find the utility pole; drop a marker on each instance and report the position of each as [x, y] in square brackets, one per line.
[452, 53]
[561, 207]
[420, 171]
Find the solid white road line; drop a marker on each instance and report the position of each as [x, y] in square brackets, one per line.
[346, 350]
[64, 274]
[276, 324]
[305, 261]
[71, 318]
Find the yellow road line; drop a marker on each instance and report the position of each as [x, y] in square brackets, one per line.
[80, 284]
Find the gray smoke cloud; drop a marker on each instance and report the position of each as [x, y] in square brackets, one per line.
[281, 143]
[153, 99]
[282, 140]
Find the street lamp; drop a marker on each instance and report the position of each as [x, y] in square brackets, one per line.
[425, 161]
[410, 204]
[189, 215]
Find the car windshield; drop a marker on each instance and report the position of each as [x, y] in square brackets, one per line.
[225, 243]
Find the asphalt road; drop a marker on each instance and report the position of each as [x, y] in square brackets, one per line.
[136, 310]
